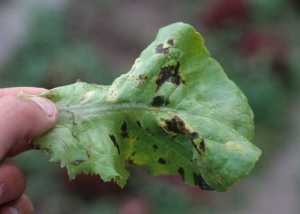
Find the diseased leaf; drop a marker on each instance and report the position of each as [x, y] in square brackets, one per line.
[174, 111]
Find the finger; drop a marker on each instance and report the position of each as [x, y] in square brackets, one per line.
[16, 90]
[12, 182]
[19, 147]
[24, 119]
[21, 205]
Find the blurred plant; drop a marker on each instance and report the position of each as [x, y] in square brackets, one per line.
[51, 57]
[89, 187]
[250, 55]
[226, 12]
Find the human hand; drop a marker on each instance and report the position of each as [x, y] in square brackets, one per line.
[20, 120]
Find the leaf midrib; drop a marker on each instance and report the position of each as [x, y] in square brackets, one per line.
[96, 108]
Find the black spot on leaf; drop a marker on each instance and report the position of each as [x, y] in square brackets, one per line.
[162, 161]
[158, 101]
[169, 74]
[202, 146]
[195, 135]
[142, 78]
[179, 122]
[171, 126]
[139, 124]
[181, 172]
[198, 180]
[177, 126]
[124, 132]
[160, 50]
[155, 147]
[167, 101]
[116, 179]
[170, 42]
[114, 140]
[129, 161]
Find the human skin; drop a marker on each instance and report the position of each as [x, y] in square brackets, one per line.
[20, 120]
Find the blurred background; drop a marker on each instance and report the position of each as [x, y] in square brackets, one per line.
[50, 43]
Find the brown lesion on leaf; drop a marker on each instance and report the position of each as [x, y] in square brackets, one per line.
[141, 79]
[82, 99]
[198, 180]
[129, 161]
[77, 161]
[114, 140]
[72, 118]
[124, 131]
[177, 126]
[171, 74]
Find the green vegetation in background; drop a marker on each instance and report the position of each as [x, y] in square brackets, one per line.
[51, 57]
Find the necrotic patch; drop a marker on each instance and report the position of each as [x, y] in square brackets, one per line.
[155, 147]
[113, 139]
[198, 180]
[170, 42]
[158, 101]
[124, 132]
[167, 101]
[169, 74]
[139, 124]
[181, 172]
[161, 50]
[202, 146]
[162, 161]
[177, 126]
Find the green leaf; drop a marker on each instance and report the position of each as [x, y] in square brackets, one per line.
[174, 111]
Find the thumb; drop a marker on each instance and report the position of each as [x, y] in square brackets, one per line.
[22, 119]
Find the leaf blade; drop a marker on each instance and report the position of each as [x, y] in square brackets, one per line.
[174, 111]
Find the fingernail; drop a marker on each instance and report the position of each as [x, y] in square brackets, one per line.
[45, 104]
[13, 210]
